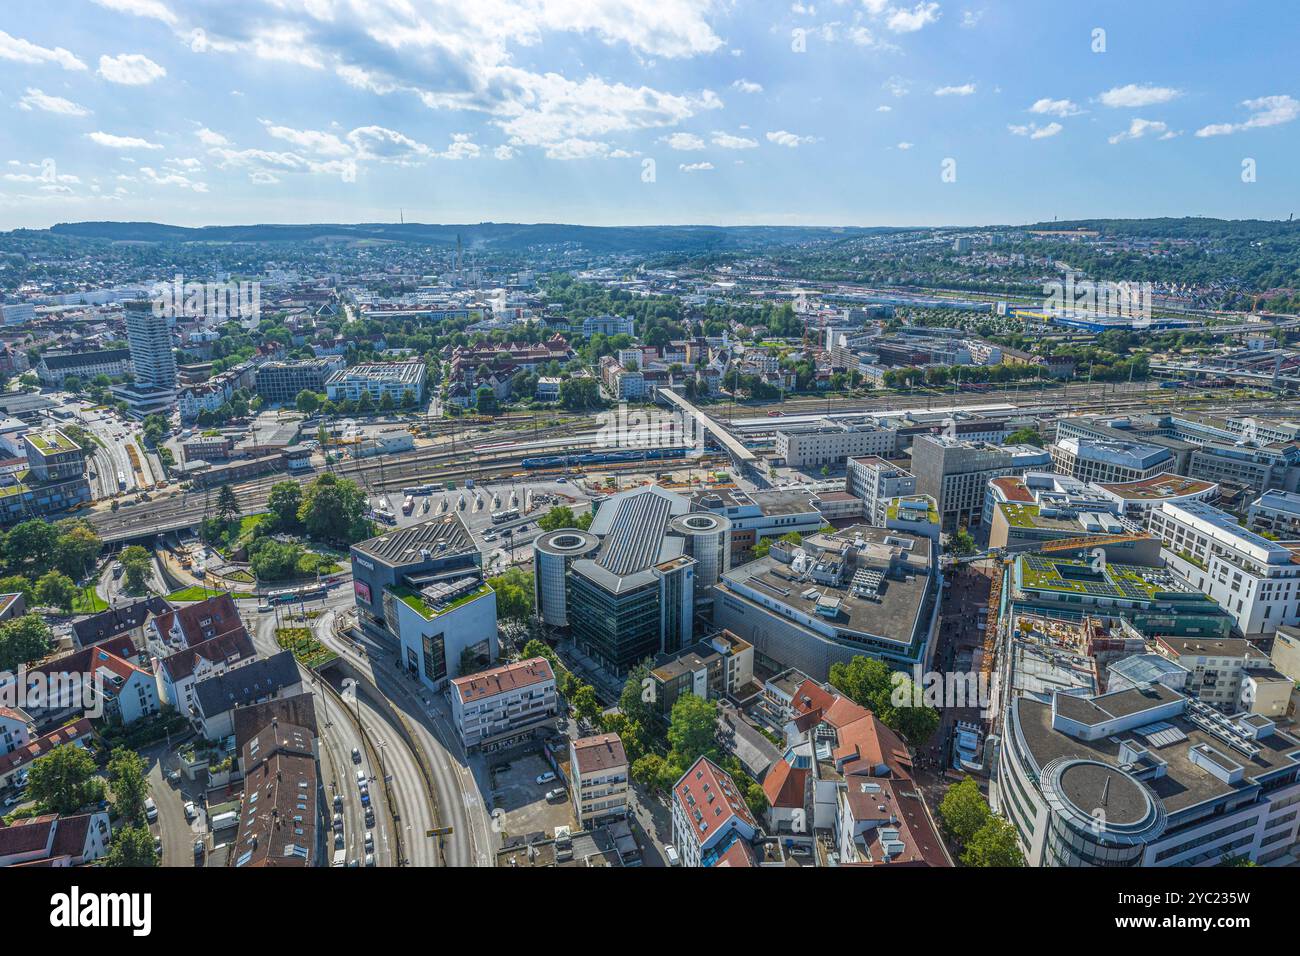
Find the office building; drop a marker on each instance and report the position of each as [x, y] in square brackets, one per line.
[396, 380]
[954, 473]
[55, 367]
[1214, 669]
[608, 325]
[553, 555]
[54, 480]
[280, 382]
[876, 481]
[17, 313]
[859, 591]
[598, 771]
[720, 666]
[635, 596]
[1137, 498]
[423, 585]
[505, 706]
[760, 514]
[1179, 783]
[1110, 461]
[712, 824]
[832, 444]
[152, 361]
[1256, 580]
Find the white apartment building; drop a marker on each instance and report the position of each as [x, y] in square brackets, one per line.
[832, 444]
[17, 313]
[495, 708]
[1215, 666]
[608, 325]
[598, 768]
[712, 825]
[1253, 579]
[1277, 512]
[393, 379]
[876, 481]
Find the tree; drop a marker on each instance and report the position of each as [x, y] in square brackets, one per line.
[132, 846]
[227, 504]
[63, 781]
[334, 510]
[126, 778]
[307, 402]
[23, 640]
[137, 563]
[560, 516]
[386, 404]
[514, 591]
[648, 771]
[1024, 436]
[284, 501]
[961, 543]
[632, 701]
[56, 590]
[963, 811]
[76, 547]
[577, 394]
[994, 844]
[872, 684]
[692, 730]
[30, 547]
[584, 703]
[17, 584]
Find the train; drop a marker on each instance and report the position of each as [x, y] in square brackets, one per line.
[605, 457]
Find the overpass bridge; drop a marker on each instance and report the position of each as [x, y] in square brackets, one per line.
[740, 455]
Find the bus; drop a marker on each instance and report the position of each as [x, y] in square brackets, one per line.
[121, 481]
[408, 505]
[308, 592]
[501, 517]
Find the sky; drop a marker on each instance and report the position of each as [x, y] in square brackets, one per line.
[613, 112]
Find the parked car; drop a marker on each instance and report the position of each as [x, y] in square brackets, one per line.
[338, 801]
[338, 822]
[338, 841]
[198, 849]
[544, 778]
[556, 794]
[370, 816]
[150, 809]
[191, 811]
[670, 853]
[157, 845]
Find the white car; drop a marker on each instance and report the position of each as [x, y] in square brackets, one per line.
[370, 841]
[545, 778]
[556, 794]
[191, 811]
[670, 853]
[150, 809]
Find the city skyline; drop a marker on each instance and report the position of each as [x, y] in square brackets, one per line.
[837, 113]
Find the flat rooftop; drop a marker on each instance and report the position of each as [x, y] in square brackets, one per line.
[1039, 572]
[1157, 488]
[440, 536]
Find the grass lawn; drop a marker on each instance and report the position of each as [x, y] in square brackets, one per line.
[198, 593]
[88, 602]
[306, 649]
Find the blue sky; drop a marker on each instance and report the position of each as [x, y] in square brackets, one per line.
[645, 111]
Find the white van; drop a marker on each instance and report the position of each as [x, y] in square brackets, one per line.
[150, 809]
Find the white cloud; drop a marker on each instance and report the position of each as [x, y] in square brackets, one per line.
[315, 141]
[694, 167]
[884, 109]
[23, 51]
[745, 86]
[730, 141]
[121, 142]
[387, 145]
[1265, 111]
[151, 175]
[153, 9]
[1034, 131]
[1050, 107]
[130, 69]
[682, 141]
[504, 152]
[1134, 96]
[785, 138]
[896, 86]
[1141, 128]
[37, 100]
[462, 147]
[901, 20]
[904, 146]
[965, 89]
[211, 138]
[971, 18]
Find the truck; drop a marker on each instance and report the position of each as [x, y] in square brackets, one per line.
[408, 505]
[340, 858]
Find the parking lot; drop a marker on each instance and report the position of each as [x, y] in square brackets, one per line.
[519, 803]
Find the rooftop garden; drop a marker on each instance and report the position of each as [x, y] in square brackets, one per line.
[417, 602]
[1074, 577]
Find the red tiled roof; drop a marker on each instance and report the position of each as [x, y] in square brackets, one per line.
[43, 745]
[601, 752]
[223, 647]
[501, 680]
[784, 785]
[204, 620]
[708, 790]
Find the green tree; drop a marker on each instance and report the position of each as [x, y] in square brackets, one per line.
[632, 701]
[386, 404]
[30, 547]
[648, 771]
[994, 844]
[577, 394]
[126, 778]
[23, 640]
[692, 730]
[17, 584]
[1025, 436]
[560, 516]
[227, 504]
[76, 547]
[874, 685]
[136, 565]
[334, 510]
[584, 703]
[284, 501]
[961, 543]
[132, 846]
[307, 402]
[963, 811]
[514, 591]
[56, 590]
[63, 780]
